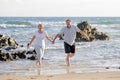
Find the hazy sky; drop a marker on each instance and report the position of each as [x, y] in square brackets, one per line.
[60, 8]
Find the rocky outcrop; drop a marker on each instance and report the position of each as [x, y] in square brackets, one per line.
[6, 45]
[9, 50]
[5, 56]
[4, 41]
[92, 33]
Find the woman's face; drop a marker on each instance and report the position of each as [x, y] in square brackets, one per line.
[40, 27]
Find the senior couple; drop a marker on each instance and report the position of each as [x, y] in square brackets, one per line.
[69, 33]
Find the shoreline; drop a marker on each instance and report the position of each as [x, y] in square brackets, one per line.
[70, 76]
[47, 68]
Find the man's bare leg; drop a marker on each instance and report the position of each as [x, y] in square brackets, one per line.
[71, 55]
[68, 59]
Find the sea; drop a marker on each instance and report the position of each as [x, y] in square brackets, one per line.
[96, 56]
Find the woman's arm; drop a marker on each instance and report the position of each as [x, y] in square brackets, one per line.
[28, 46]
[48, 38]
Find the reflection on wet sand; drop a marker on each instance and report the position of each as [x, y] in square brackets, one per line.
[38, 70]
[68, 70]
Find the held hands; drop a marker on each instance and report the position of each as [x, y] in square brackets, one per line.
[53, 42]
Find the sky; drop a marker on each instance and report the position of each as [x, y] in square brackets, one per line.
[60, 8]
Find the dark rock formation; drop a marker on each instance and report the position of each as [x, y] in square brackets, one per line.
[15, 56]
[12, 42]
[33, 57]
[22, 55]
[7, 41]
[92, 33]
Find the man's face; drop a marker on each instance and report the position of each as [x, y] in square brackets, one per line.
[68, 23]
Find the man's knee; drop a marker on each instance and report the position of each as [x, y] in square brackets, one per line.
[72, 54]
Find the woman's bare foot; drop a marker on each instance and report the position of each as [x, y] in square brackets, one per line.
[38, 63]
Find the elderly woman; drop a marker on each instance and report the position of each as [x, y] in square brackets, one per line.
[39, 42]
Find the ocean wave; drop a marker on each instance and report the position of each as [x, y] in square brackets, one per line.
[11, 25]
[104, 25]
[18, 22]
[47, 24]
[106, 22]
[30, 23]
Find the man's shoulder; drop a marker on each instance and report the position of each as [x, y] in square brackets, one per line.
[63, 28]
[74, 26]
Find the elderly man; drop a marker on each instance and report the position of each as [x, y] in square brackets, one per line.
[69, 39]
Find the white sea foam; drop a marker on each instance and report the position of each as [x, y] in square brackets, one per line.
[11, 25]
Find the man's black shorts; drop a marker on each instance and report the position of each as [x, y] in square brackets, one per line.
[69, 48]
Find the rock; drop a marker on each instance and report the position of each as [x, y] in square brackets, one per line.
[1, 35]
[107, 68]
[118, 67]
[22, 55]
[7, 44]
[2, 56]
[1, 51]
[4, 42]
[92, 33]
[33, 57]
[15, 56]
[9, 57]
[34, 51]
[21, 45]
[31, 52]
[102, 36]
[12, 42]
[7, 41]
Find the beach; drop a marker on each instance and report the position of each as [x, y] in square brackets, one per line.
[96, 60]
[70, 76]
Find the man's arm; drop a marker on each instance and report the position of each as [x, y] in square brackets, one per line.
[58, 35]
[82, 33]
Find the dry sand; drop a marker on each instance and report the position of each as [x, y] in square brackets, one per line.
[70, 76]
